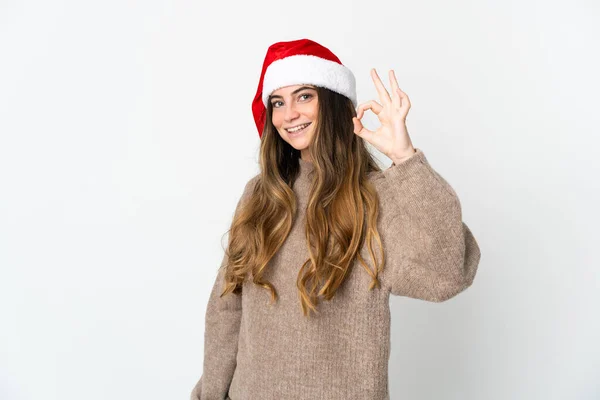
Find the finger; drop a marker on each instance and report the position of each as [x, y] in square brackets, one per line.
[369, 105]
[366, 134]
[396, 100]
[404, 100]
[361, 131]
[358, 126]
[384, 96]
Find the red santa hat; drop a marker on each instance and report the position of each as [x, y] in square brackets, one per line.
[299, 62]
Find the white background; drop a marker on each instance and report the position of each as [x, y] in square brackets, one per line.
[127, 138]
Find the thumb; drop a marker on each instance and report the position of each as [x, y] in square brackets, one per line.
[358, 126]
[363, 132]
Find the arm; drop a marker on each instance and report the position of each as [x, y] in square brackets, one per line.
[221, 329]
[430, 253]
[221, 332]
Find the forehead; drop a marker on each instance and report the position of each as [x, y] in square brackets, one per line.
[289, 89]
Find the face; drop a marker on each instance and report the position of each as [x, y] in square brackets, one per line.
[294, 106]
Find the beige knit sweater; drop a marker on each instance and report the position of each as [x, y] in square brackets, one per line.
[255, 350]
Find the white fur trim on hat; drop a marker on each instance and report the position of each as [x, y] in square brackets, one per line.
[308, 69]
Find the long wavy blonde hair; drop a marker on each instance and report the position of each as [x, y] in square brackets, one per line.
[341, 213]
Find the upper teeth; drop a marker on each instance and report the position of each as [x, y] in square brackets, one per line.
[296, 129]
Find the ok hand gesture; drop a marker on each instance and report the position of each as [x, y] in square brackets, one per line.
[392, 137]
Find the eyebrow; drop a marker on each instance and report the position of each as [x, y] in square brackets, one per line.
[294, 92]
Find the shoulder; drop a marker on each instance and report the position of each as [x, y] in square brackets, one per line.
[251, 183]
[250, 186]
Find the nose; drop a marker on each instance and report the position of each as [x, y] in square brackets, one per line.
[291, 113]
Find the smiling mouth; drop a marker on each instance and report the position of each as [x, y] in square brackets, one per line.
[298, 131]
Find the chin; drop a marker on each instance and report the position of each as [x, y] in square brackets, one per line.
[298, 146]
[299, 143]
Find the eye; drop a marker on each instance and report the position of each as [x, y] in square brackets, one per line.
[308, 96]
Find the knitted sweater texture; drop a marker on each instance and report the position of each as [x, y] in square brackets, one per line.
[261, 351]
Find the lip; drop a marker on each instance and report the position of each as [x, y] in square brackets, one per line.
[299, 132]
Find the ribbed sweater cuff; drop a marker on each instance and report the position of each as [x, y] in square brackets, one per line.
[408, 167]
[418, 175]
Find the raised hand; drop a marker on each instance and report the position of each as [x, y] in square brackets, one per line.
[392, 136]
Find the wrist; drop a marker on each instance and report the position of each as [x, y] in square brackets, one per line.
[405, 155]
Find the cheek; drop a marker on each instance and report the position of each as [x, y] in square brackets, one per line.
[276, 119]
[315, 111]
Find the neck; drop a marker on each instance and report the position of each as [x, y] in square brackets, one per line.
[305, 155]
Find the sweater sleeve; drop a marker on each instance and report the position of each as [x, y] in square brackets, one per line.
[221, 332]
[430, 253]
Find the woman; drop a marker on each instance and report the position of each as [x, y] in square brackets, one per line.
[322, 236]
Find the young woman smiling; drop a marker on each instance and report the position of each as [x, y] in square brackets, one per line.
[322, 236]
